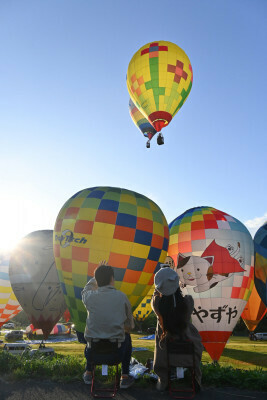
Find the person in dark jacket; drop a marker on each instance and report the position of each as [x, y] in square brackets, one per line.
[173, 312]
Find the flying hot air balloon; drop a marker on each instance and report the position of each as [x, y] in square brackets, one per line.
[35, 282]
[9, 306]
[254, 310]
[214, 255]
[123, 227]
[260, 244]
[159, 79]
[142, 123]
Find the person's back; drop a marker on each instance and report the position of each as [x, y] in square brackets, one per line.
[109, 317]
[107, 313]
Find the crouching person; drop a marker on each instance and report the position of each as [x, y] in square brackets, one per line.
[109, 317]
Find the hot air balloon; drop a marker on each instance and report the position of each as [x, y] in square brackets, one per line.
[9, 306]
[260, 243]
[58, 329]
[142, 123]
[214, 254]
[35, 282]
[143, 310]
[159, 79]
[254, 310]
[125, 228]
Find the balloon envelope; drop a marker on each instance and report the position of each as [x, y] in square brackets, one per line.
[58, 329]
[141, 122]
[254, 310]
[159, 79]
[215, 263]
[125, 228]
[35, 282]
[143, 310]
[9, 306]
[260, 243]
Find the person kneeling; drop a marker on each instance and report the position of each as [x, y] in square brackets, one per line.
[109, 317]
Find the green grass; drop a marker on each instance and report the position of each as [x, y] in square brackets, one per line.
[243, 362]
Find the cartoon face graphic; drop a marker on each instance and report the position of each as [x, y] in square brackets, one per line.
[193, 271]
[215, 265]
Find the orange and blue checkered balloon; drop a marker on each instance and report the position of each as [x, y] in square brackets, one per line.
[159, 79]
[260, 243]
[123, 227]
[214, 256]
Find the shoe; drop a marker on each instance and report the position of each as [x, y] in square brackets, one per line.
[161, 386]
[87, 378]
[126, 381]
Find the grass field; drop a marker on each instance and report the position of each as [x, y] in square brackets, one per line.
[239, 352]
[243, 362]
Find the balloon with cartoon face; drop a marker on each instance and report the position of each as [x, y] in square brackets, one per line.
[35, 281]
[214, 257]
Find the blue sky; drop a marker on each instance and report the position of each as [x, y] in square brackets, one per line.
[64, 120]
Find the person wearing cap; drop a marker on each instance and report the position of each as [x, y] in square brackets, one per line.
[173, 312]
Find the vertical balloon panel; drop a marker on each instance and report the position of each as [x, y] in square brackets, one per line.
[125, 228]
[260, 243]
[9, 305]
[215, 262]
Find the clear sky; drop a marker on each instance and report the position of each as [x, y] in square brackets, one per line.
[64, 120]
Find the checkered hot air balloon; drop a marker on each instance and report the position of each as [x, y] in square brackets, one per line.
[214, 255]
[123, 227]
[35, 282]
[159, 79]
[9, 305]
[141, 122]
[260, 243]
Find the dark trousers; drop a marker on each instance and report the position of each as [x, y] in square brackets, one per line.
[124, 352]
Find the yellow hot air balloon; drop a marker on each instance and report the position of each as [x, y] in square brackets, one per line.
[159, 79]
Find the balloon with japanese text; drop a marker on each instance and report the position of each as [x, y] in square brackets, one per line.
[35, 281]
[254, 310]
[214, 256]
[123, 227]
[159, 80]
[260, 243]
[9, 305]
